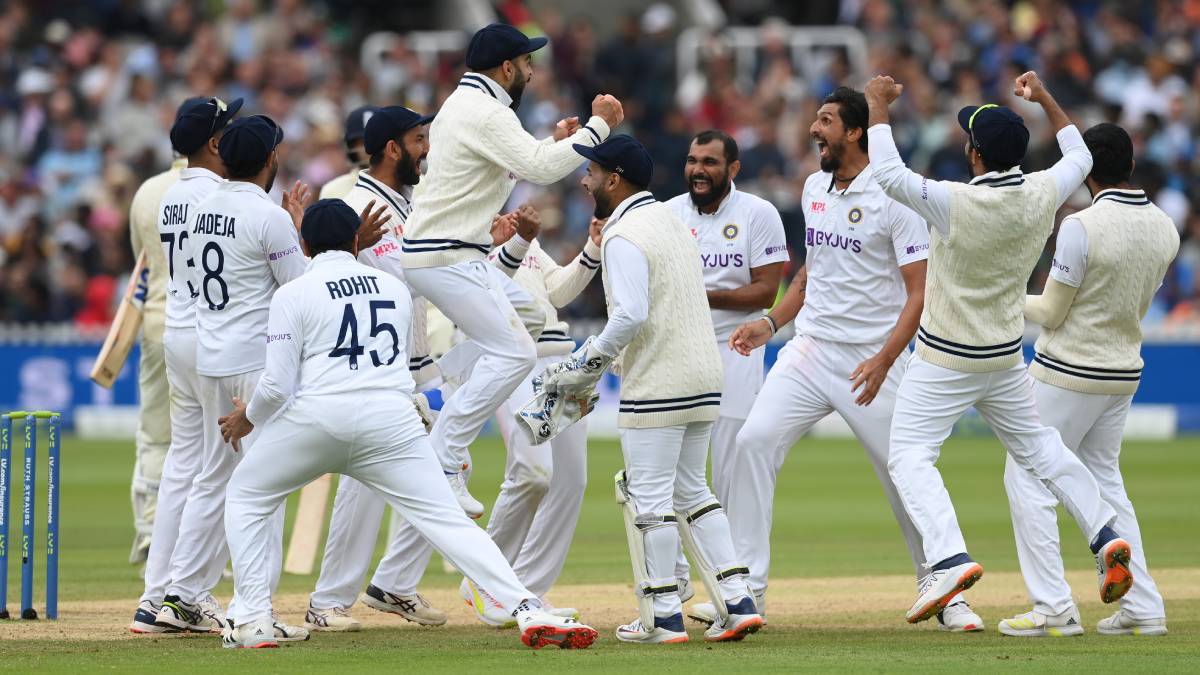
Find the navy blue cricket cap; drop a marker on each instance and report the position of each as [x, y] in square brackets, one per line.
[496, 43]
[389, 124]
[997, 133]
[329, 222]
[356, 122]
[623, 155]
[248, 141]
[197, 119]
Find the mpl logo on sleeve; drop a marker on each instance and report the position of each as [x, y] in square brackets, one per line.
[817, 207]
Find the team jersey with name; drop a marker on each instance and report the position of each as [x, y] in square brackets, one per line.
[176, 212]
[245, 247]
[744, 232]
[857, 240]
[384, 255]
[341, 327]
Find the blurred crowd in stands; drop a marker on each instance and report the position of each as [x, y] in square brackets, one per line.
[89, 89]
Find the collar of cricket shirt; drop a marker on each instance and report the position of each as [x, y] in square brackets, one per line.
[245, 186]
[487, 85]
[198, 172]
[398, 200]
[1132, 197]
[633, 201]
[1000, 178]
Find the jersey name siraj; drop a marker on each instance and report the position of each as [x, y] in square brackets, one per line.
[174, 214]
[350, 286]
[215, 224]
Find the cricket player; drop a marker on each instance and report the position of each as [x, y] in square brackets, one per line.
[245, 247]
[478, 152]
[857, 302]
[337, 336]
[195, 134]
[154, 430]
[397, 142]
[986, 236]
[660, 330]
[534, 518]
[356, 155]
[1109, 260]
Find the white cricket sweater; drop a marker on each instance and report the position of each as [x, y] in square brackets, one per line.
[671, 371]
[974, 317]
[1097, 349]
[478, 151]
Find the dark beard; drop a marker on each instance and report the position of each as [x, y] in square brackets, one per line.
[603, 208]
[717, 193]
[271, 180]
[408, 170]
[833, 162]
[515, 92]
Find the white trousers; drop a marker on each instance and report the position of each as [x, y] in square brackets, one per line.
[931, 399]
[182, 464]
[202, 526]
[390, 455]
[153, 432]
[480, 300]
[810, 380]
[1091, 425]
[534, 517]
[665, 471]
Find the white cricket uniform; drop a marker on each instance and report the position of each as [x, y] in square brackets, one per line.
[245, 247]
[478, 151]
[535, 514]
[336, 338]
[176, 213]
[744, 232]
[1088, 399]
[857, 240]
[985, 238]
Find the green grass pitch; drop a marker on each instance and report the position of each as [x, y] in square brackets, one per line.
[831, 521]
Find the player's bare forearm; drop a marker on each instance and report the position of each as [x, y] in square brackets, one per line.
[1030, 87]
[758, 294]
[1057, 116]
[910, 315]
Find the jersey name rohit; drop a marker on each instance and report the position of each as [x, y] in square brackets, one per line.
[215, 224]
[351, 286]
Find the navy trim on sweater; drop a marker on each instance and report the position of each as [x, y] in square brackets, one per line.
[1088, 372]
[959, 349]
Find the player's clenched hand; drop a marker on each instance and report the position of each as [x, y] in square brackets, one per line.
[609, 109]
[870, 375]
[374, 224]
[595, 229]
[235, 426]
[529, 222]
[503, 228]
[750, 336]
[296, 200]
[1030, 87]
[883, 89]
[565, 128]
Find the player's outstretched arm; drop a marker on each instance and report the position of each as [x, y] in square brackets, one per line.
[565, 282]
[504, 141]
[1076, 161]
[929, 198]
[754, 334]
[872, 373]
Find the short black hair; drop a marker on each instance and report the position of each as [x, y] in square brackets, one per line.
[246, 170]
[376, 158]
[1112, 153]
[314, 251]
[852, 108]
[731, 148]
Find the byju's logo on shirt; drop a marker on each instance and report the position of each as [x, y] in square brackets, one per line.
[1065, 269]
[276, 255]
[814, 237]
[774, 249]
[916, 248]
[721, 260]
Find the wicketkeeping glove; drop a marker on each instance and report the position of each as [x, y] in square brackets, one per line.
[547, 414]
[577, 374]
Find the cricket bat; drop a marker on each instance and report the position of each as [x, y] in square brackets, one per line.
[125, 327]
[306, 529]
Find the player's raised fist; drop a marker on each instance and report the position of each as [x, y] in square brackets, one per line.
[565, 128]
[596, 229]
[529, 222]
[884, 89]
[503, 228]
[1030, 87]
[609, 109]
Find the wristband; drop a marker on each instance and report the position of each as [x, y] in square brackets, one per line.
[771, 323]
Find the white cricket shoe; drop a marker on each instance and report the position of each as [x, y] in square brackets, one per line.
[1122, 623]
[144, 620]
[211, 607]
[487, 609]
[1112, 566]
[539, 628]
[958, 617]
[178, 615]
[667, 630]
[288, 633]
[254, 635]
[565, 612]
[940, 586]
[427, 414]
[706, 612]
[1036, 624]
[458, 484]
[743, 620]
[332, 619]
[414, 608]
